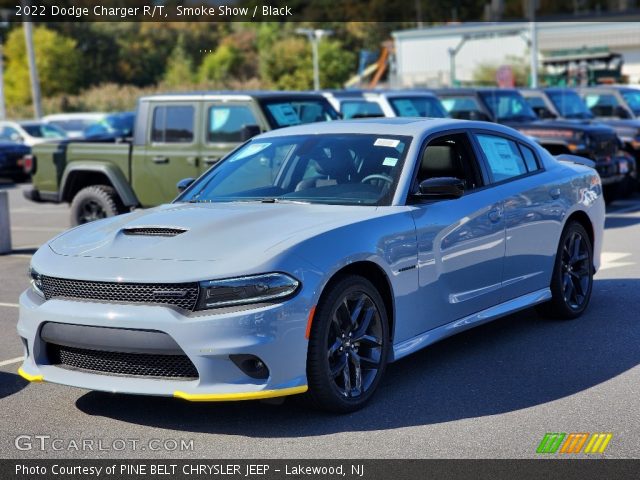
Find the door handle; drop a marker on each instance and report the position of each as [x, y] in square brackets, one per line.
[495, 215]
[210, 160]
[160, 160]
[555, 193]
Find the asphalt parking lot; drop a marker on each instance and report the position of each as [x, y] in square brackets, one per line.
[492, 392]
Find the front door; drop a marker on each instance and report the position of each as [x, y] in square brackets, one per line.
[461, 242]
[171, 154]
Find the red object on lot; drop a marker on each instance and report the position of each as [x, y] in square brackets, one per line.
[26, 163]
[504, 77]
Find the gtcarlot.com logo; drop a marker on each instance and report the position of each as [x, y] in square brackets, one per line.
[574, 443]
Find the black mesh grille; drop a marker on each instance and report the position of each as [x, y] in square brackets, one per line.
[604, 144]
[153, 231]
[182, 295]
[121, 363]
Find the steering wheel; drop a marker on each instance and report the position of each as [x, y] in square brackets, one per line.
[377, 176]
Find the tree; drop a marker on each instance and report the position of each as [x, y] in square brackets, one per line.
[57, 59]
[485, 73]
[287, 65]
[218, 66]
[179, 67]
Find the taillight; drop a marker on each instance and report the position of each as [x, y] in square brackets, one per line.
[27, 163]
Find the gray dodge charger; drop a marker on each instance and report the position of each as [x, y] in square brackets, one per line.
[310, 258]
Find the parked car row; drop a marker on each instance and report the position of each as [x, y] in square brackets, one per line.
[136, 159]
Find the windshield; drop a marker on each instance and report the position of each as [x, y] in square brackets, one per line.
[507, 106]
[569, 104]
[339, 169]
[464, 107]
[44, 131]
[632, 98]
[285, 113]
[417, 107]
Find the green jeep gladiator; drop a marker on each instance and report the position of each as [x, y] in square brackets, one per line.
[174, 137]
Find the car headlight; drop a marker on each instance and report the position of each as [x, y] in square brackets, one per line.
[246, 290]
[36, 282]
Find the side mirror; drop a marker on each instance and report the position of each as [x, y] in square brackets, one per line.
[621, 112]
[184, 184]
[440, 187]
[249, 131]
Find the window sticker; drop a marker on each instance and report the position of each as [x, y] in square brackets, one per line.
[390, 162]
[386, 142]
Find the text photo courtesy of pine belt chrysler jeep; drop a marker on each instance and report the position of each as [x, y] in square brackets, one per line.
[175, 137]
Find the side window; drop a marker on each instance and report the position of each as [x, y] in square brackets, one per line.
[450, 156]
[172, 124]
[503, 157]
[226, 122]
[529, 158]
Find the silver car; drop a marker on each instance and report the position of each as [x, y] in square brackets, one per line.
[312, 256]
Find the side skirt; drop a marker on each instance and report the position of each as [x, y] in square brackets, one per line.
[427, 338]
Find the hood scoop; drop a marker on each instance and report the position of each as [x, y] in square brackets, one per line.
[153, 231]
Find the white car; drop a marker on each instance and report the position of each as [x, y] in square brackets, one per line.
[29, 132]
[74, 123]
[394, 103]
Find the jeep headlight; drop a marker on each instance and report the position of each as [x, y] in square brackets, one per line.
[246, 290]
[36, 282]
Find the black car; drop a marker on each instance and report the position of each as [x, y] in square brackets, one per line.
[12, 160]
[566, 104]
[594, 141]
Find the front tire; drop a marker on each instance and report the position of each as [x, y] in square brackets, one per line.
[348, 345]
[572, 280]
[94, 203]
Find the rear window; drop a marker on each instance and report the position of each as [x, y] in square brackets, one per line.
[172, 124]
[360, 109]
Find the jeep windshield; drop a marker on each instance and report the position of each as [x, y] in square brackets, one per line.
[508, 106]
[569, 104]
[288, 112]
[632, 97]
[338, 169]
[417, 107]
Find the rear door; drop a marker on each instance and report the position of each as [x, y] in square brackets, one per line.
[171, 152]
[532, 212]
[225, 124]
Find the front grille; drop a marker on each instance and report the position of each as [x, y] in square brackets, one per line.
[153, 231]
[122, 363]
[604, 144]
[181, 295]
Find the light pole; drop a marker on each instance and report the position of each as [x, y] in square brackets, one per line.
[314, 37]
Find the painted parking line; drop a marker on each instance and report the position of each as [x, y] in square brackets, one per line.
[9, 305]
[613, 260]
[11, 361]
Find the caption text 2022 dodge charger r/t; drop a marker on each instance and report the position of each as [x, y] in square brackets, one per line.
[311, 257]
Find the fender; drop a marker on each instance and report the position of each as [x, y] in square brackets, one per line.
[114, 174]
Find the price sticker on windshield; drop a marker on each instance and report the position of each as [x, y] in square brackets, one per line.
[386, 142]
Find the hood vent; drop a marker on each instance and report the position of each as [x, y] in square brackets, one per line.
[153, 231]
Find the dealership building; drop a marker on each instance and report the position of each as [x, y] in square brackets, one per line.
[427, 56]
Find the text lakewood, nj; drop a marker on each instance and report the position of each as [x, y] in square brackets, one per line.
[152, 12]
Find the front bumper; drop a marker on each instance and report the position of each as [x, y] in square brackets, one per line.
[274, 333]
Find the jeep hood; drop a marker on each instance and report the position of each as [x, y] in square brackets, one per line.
[205, 231]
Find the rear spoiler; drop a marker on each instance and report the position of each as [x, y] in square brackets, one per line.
[576, 159]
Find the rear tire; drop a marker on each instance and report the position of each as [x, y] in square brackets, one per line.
[348, 346]
[94, 203]
[572, 279]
